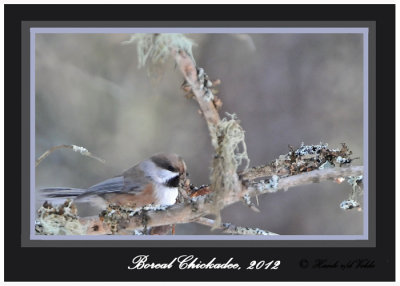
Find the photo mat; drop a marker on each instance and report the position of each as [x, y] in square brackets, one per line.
[295, 41]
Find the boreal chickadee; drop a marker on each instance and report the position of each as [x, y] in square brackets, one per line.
[152, 181]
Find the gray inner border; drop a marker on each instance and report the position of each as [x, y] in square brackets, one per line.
[201, 241]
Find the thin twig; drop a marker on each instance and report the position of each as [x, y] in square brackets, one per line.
[83, 151]
[233, 229]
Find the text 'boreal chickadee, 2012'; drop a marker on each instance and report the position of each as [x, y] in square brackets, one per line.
[183, 262]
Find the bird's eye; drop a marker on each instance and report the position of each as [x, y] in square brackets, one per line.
[170, 168]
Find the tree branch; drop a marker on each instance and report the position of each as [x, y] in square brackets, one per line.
[201, 206]
[189, 71]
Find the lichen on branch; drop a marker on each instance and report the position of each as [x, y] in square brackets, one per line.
[302, 159]
[157, 47]
[228, 140]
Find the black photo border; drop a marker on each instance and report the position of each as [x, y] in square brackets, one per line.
[111, 263]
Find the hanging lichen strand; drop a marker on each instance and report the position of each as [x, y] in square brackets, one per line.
[227, 140]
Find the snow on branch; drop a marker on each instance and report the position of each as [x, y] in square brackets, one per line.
[83, 151]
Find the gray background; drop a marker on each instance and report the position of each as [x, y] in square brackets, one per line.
[293, 88]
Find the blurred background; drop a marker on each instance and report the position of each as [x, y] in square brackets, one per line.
[284, 88]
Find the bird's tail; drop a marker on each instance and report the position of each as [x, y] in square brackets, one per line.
[59, 195]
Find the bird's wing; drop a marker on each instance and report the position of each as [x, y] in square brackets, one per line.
[130, 182]
[135, 180]
[111, 185]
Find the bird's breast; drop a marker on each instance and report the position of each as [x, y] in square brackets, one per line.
[166, 195]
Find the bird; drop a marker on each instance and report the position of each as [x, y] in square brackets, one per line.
[152, 181]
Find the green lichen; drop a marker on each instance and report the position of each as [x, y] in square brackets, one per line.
[228, 140]
[59, 220]
[156, 48]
